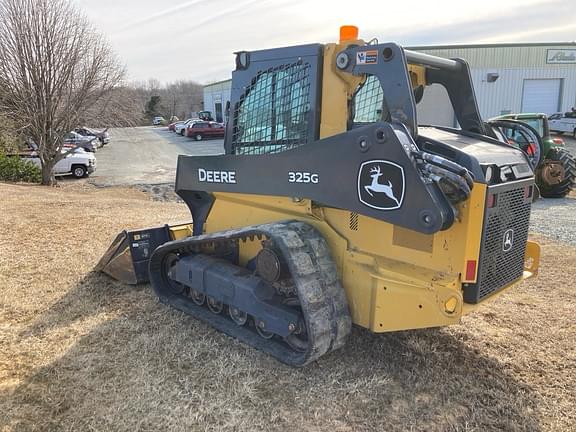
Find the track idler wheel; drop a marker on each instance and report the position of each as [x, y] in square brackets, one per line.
[169, 262]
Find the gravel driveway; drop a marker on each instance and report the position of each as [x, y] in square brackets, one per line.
[146, 155]
[556, 218]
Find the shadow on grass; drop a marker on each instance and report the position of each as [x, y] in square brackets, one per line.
[144, 366]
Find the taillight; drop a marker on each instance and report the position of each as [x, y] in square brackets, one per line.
[558, 141]
[470, 270]
[492, 200]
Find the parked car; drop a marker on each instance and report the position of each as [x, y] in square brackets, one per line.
[181, 128]
[79, 163]
[89, 143]
[158, 120]
[200, 130]
[172, 126]
[103, 136]
[563, 123]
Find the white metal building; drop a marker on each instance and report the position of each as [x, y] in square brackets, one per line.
[216, 98]
[508, 78]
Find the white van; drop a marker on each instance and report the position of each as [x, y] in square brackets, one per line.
[563, 123]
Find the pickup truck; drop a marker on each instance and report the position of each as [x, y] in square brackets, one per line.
[78, 163]
[103, 135]
[563, 123]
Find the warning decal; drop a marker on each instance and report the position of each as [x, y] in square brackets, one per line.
[367, 57]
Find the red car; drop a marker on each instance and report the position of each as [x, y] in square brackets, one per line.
[172, 126]
[201, 130]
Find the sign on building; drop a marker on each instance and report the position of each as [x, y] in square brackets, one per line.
[561, 56]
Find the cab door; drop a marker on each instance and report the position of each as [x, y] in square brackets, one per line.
[211, 130]
[63, 166]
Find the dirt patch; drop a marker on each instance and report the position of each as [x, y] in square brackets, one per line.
[79, 351]
[159, 192]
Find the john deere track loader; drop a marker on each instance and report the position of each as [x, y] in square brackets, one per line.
[332, 207]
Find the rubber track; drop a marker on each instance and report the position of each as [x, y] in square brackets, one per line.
[321, 295]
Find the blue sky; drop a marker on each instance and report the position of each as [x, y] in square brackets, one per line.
[195, 39]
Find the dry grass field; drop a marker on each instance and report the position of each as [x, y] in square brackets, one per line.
[80, 352]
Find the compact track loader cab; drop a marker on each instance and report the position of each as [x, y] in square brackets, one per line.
[331, 206]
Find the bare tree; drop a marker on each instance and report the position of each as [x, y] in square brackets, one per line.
[179, 98]
[187, 97]
[8, 136]
[57, 73]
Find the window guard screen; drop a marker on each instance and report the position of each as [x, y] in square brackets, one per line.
[273, 114]
[368, 102]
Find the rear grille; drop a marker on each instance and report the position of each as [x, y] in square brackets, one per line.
[503, 241]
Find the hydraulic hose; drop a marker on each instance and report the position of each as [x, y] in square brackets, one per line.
[453, 179]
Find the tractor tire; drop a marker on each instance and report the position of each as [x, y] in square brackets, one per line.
[563, 188]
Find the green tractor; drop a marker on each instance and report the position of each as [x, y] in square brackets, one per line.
[554, 166]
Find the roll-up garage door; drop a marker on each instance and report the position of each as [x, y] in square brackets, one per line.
[541, 95]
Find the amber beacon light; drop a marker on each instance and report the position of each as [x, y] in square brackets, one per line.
[348, 33]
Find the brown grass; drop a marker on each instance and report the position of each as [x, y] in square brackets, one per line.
[81, 352]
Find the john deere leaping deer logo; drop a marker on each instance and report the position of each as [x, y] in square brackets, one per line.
[378, 187]
[508, 240]
[381, 184]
